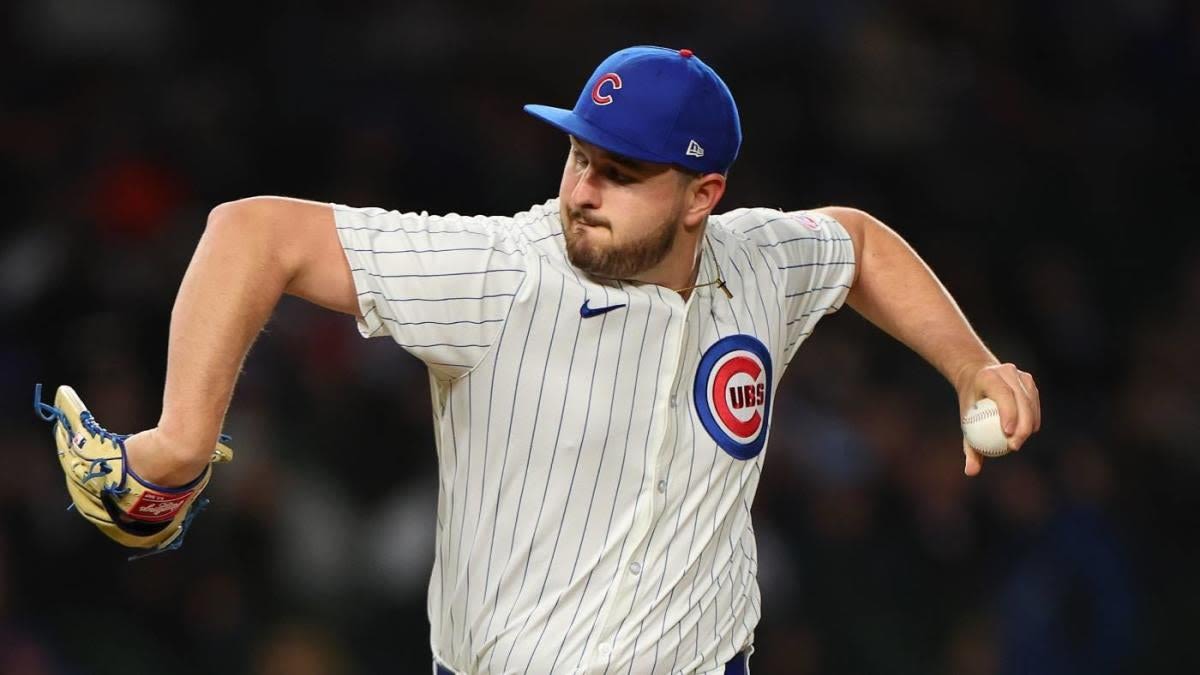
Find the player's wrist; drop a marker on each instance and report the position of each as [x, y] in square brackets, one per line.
[165, 460]
[963, 375]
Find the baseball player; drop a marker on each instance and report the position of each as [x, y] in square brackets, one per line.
[602, 366]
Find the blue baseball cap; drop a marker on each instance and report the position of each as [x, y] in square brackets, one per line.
[656, 105]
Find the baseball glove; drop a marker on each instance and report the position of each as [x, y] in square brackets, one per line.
[105, 491]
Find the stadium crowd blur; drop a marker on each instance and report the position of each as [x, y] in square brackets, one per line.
[1044, 157]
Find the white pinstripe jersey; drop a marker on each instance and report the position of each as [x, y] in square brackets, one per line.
[594, 504]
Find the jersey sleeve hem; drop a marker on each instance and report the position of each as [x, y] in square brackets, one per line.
[368, 321]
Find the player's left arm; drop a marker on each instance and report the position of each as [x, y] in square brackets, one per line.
[894, 289]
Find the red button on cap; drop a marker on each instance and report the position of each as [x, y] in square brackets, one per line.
[685, 53]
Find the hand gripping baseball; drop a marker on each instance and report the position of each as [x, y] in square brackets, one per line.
[1017, 400]
[106, 491]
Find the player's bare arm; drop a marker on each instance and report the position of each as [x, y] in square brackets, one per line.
[895, 290]
[251, 253]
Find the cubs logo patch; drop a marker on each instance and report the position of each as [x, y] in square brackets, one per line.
[733, 394]
[614, 82]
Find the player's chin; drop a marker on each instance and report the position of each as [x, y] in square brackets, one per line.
[581, 255]
[589, 257]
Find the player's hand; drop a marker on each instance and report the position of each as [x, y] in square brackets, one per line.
[1017, 399]
[106, 491]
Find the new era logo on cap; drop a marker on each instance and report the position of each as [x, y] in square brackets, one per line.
[652, 104]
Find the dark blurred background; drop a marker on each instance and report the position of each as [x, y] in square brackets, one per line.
[1041, 154]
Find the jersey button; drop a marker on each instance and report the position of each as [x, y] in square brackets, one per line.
[673, 401]
[635, 568]
[662, 485]
[605, 649]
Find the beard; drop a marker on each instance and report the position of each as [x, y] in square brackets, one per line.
[616, 261]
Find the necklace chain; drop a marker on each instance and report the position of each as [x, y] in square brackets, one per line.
[719, 281]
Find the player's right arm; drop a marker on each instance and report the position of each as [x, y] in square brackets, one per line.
[251, 253]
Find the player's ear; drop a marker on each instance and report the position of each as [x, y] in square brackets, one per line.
[703, 193]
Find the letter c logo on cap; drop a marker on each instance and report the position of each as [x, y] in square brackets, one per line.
[604, 99]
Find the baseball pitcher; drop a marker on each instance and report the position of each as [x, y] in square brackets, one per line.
[603, 367]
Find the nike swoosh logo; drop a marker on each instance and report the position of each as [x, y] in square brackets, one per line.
[588, 312]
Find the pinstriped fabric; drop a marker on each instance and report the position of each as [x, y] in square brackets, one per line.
[439, 285]
[816, 257]
[588, 521]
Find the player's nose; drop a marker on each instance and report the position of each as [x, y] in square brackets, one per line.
[586, 193]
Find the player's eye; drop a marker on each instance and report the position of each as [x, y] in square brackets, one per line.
[619, 178]
[580, 159]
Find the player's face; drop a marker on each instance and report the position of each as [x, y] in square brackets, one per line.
[620, 217]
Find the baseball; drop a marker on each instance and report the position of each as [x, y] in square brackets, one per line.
[981, 428]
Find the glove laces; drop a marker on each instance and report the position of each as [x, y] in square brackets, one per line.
[46, 411]
[92, 427]
[98, 467]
